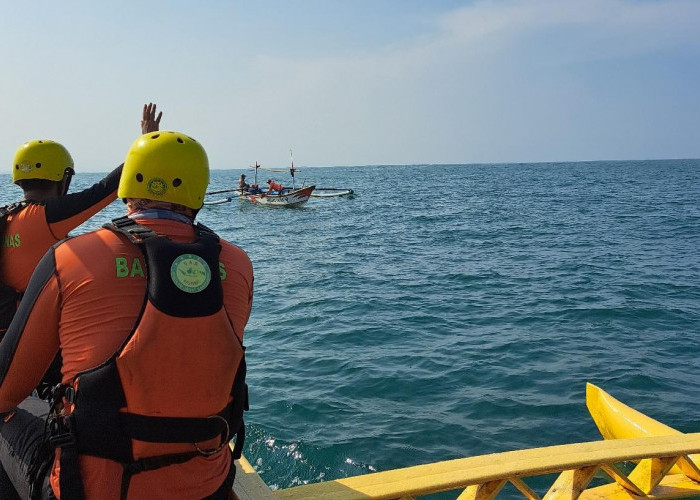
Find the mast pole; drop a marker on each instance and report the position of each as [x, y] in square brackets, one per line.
[291, 169]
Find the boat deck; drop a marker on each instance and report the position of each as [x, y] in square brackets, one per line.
[248, 484]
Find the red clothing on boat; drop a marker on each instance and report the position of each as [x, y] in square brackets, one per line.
[275, 186]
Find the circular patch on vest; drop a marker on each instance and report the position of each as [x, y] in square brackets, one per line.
[157, 186]
[190, 273]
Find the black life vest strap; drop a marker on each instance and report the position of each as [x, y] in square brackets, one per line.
[70, 482]
[131, 229]
[137, 232]
[175, 429]
[148, 464]
[240, 440]
[166, 429]
[140, 427]
[13, 208]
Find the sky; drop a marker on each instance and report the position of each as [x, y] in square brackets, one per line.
[356, 82]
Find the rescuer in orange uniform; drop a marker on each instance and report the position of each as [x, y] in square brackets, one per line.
[46, 214]
[148, 313]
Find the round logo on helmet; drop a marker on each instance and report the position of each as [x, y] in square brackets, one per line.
[190, 273]
[25, 166]
[157, 186]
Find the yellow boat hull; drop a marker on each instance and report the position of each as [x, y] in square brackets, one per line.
[616, 420]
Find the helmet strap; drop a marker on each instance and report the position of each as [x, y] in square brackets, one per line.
[67, 177]
[65, 184]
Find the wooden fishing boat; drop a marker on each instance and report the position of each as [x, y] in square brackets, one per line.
[483, 477]
[287, 198]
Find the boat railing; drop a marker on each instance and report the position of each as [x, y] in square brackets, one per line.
[484, 477]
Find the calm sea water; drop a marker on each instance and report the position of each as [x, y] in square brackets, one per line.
[453, 310]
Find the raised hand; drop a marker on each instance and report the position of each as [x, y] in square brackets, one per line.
[149, 122]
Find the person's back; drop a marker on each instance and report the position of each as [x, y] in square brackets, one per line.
[274, 187]
[242, 184]
[43, 170]
[102, 298]
[179, 363]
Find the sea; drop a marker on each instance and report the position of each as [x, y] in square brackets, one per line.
[447, 311]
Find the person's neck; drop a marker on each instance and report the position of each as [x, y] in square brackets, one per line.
[41, 194]
[159, 213]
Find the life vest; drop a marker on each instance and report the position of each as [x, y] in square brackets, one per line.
[179, 376]
[9, 296]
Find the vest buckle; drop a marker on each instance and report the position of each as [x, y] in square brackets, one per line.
[60, 432]
[224, 439]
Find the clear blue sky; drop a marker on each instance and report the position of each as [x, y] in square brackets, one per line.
[357, 82]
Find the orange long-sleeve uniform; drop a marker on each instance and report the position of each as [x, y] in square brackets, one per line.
[30, 232]
[275, 186]
[85, 299]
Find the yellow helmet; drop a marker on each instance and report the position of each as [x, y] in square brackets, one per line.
[41, 159]
[166, 166]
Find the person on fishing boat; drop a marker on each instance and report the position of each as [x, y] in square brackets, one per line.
[274, 187]
[148, 314]
[243, 186]
[43, 169]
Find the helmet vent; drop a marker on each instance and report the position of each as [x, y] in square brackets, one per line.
[38, 165]
[179, 139]
[139, 177]
[177, 181]
[156, 136]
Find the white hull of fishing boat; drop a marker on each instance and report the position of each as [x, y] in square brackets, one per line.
[295, 198]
